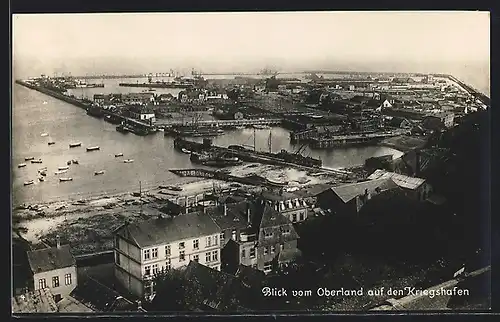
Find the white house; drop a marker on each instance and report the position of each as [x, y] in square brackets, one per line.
[142, 250]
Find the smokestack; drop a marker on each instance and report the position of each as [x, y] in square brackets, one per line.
[249, 214]
[58, 241]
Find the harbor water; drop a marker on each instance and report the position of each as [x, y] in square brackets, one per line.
[34, 113]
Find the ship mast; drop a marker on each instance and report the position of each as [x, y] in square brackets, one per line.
[140, 195]
[270, 142]
[254, 148]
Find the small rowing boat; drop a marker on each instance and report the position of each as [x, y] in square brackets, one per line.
[21, 165]
[44, 134]
[93, 148]
[118, 155]
[27, 183]
[41, 179]
[74, 145]
[63, 168]
[128, 161]
[60, 172]
[36, 161]
[43, 173]
[65, 179]
[29, 158]
[98, 172]
[42, 169]
[184, 150]
[68, 162]
[75, 161]
[51, 143]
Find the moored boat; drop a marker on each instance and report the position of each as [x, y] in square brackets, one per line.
[185, 151]
[51, 143]
[261, 127]
[65, 179]
[93, 148]
[122, 128]
[60, 172]
[44, 134]
[68, 163]
[27, 183]
[99, 172]
[21, 165]
[29, 158]
[74, 145]
[74, 161]
[118, 155]
[63, 168]
[36, 161]
[128, 161]
[43, 173]
[41, 179]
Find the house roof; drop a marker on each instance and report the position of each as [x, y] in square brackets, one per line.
[235, 218]
[217, 288]
[400, 179]
[350, 191]
[166, 230]
[250, 276]
[70, 304]
[48, 259]
[312, 190]
[38, 301]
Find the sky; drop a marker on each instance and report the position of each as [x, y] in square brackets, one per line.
[211, 42]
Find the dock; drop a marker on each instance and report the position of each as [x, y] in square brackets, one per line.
[357, 139]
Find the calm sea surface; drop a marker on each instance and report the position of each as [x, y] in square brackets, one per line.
[153, 155]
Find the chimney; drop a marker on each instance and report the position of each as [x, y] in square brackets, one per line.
[225, 208]
[249, 214]
[58, 241]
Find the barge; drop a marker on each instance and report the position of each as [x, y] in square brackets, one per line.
[95, 111]
[195, 131]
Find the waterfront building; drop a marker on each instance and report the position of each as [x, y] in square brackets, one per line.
[416, 188]
[53, 268]
[143, 250]
[287, 204]
[142, 113]
[137, 98]
[348, 199]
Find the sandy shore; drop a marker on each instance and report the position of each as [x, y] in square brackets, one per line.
[88, 224]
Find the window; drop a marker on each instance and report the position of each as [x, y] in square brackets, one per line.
[215, 240]
[42, 283]
[196, 258]
[286, 230]
[267, 266]
[209, 241]
[273, 249]
[167, 264]
[182, 256]
[155, 269]
[196, 244]
[55, 281]
[154, 253]
[301, 216]
[147, 254]
[181, 245]
[222, 238]
[265, 250]
[147, 270]
[242, 253]
[117, 258]
[167, 251]
[252, 252]
[268, 234]
[294, 217]
[282, 246]
[215, 255]
[57, 297]
[207, 257]
[67, 279]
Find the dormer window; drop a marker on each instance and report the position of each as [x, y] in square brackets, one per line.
[268, 234]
